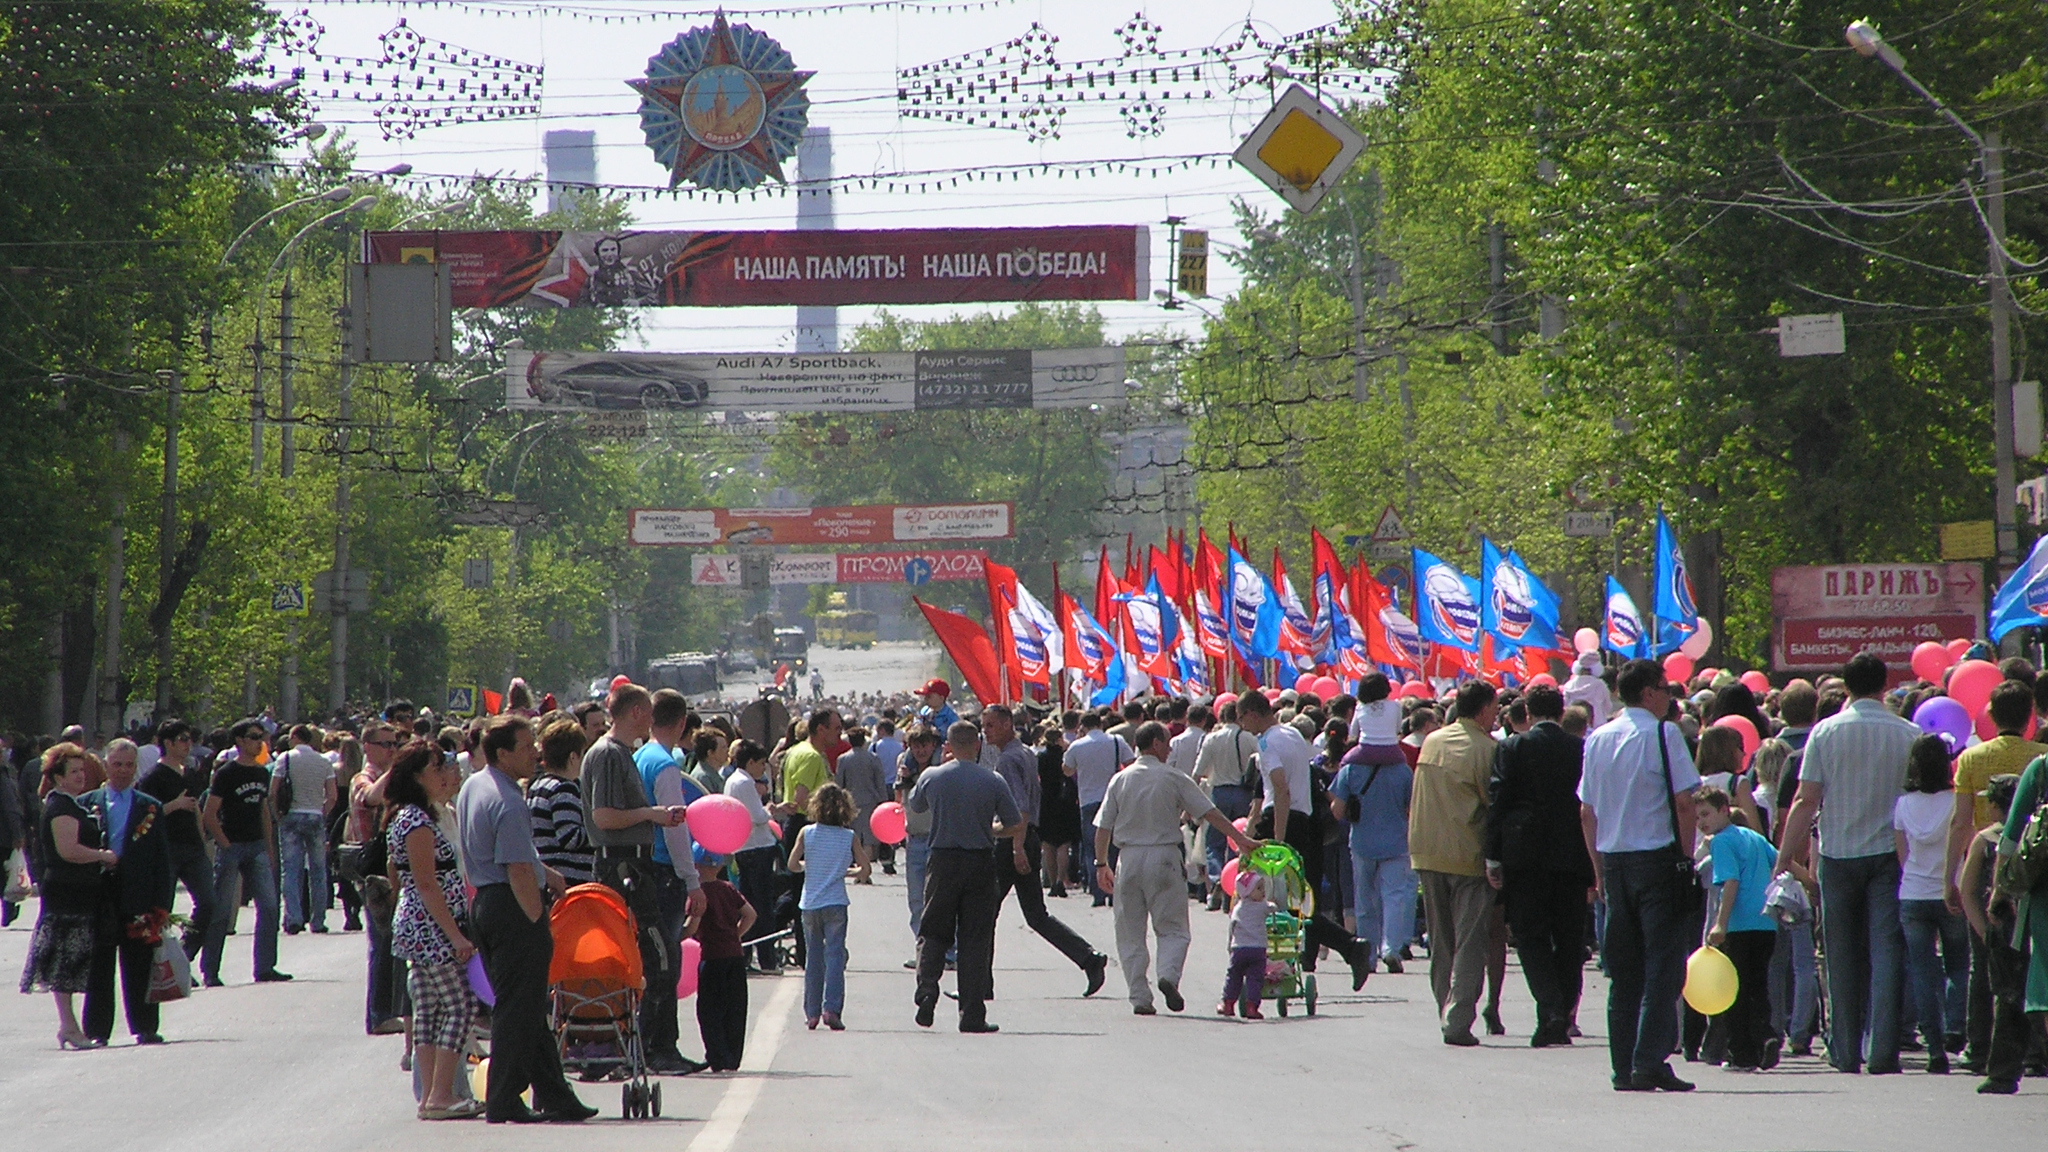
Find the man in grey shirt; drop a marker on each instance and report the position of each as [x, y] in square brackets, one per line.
[1017, 765]
[971, 808]
[509, 924]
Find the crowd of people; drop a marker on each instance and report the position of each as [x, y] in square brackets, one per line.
[1864, 878]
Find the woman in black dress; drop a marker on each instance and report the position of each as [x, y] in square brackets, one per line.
[72, 886]
[1059, 815]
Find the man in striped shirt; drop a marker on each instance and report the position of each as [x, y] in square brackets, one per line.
[1854, 771]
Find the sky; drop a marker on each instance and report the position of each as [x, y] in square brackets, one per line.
[856, 55]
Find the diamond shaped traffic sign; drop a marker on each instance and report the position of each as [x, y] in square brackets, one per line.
[1301, 149]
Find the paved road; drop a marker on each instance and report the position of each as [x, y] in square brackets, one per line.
[260, 1068]
[888, 667]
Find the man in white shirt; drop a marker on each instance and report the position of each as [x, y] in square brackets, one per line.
[1091, 761]
[308, 778]
[1187, 747]
[1141, 817]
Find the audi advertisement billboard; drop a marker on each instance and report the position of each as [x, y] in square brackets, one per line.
[815, 381]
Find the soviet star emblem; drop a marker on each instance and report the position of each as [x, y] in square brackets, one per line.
[722, 107]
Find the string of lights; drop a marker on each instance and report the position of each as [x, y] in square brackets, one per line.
[415, 83]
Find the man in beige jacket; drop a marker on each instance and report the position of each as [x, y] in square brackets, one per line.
[1446, 825]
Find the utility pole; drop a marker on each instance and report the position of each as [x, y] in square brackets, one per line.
[167, 538]
[256, 396]
[2003, 495]
[287, 461]
[337, 675]
[1497, 304]
[108, 722]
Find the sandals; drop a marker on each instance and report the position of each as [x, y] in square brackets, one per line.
[463, 1110]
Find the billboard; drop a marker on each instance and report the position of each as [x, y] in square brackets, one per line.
[722, 570]
[814, 381]
[864, 524]
[817, 268]
[1824, 614]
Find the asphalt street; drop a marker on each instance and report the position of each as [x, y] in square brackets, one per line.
[265, 1067]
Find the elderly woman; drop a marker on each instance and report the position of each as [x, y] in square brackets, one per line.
[426, 931]
[73, 889]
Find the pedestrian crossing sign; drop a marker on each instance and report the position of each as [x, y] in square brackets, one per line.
[1301, 149]
[288, 597]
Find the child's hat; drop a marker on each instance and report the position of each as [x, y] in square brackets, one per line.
[704, 857]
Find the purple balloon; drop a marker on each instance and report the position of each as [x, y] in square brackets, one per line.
[479, 983]
[1944, 717]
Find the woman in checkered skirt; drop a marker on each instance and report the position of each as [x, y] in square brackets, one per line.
[426, 931]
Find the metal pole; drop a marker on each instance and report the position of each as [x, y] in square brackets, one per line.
[256, 397]
[167, 539]
[108, 722]
[287, 462]
[2003, 495]
[337, 676]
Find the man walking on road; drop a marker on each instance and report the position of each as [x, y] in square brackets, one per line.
[303, 787]
[1091, 761]
[1852, 776]
[1228, 766]
[1636, 810]
[237, 818]
[1446, 816]
[674, 855]
[1536, 857]
[1018, 767]
[971, 809]
[1141, 814]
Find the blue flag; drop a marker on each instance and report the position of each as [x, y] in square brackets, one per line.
[1252, 610]
[1622, 630]
[1514, 606]
[1673, 603]
[1446, 603]
[2022, 601]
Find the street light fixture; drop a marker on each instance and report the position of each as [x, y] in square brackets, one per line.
[1869, 44]
[285, 252]
[333, 195]
[451, 206]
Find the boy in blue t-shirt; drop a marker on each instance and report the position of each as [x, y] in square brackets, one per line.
[1742, 862]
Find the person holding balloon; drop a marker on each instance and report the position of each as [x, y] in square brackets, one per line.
[721, 973]
[1741, 861]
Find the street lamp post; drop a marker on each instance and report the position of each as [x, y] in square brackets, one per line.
[1864, 38]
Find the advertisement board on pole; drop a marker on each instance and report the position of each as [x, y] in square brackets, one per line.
[813, 382]
[863, 524]
[1822, 615]
[723, 570]
[819, 268]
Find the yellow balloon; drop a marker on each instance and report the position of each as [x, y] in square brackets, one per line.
[480, 1078]
[1710, 982]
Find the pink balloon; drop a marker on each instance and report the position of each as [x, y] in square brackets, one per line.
[1586, 640]
[1228, 877]
[1986, 730]
[1327, 688]
[1272, 694]
[1702, 638]
[1223, 698]
[1756, 682]
[621, 681]
[1958, 646]
[1305, 682]
[1240, 824]
[1709, 675]
[720, 823]
[775, 829]
[1743, 728]
[887, 822]
[1543, 678]
[1972, 682]
[1678, 667]
[692, 957]
[1930, 660]
[1415, 690]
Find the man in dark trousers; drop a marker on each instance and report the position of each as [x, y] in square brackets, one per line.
[140, 889]
[1536, 858]
[509, 924]
[1017, 870]
[971, 809]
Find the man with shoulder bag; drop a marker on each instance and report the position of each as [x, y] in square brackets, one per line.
[1636, 813]
[1228, 765]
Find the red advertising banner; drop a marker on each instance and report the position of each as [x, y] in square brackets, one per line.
[865, 524]
[1825, 614]
[911, 567]
[823, 268]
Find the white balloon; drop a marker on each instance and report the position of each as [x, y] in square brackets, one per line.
[1586, 640]
[1696, 645]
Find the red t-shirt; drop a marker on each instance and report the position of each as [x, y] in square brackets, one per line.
[718, 931]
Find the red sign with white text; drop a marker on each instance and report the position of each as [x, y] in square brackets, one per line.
[890, 567]
[1830, 643]
[822, 268]
[1825, 614]
[865, 524]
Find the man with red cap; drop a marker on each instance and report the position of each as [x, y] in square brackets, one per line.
[936, 712]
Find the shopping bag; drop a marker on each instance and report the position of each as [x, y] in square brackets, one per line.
[16, 889]
[170, 973]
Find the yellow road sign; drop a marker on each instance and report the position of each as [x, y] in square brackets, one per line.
[1194, 261]
[1301, 149]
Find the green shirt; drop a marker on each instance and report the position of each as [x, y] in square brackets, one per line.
[804, 767]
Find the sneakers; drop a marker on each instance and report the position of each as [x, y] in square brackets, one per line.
[833, 1022]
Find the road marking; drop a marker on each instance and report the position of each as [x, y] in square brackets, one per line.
[723, 1128]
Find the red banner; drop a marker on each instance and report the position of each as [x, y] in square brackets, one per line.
[865, 524]
[823, 268]
[902, 567]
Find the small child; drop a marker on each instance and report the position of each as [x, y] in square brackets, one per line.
[1742, 866]
[722, 977]
[1376, 725]
[825, 849]
[1246, 981]
[1979, 860]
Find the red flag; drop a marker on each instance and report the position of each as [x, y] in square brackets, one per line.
[1167, 571]
[1107, 586]
[969, 648]
[1295, 625]
[1087, 649]
[493, 703]
[1390, 636]
[1209, 567]
[1002, 596]
[1132, 577]
[1493, 669]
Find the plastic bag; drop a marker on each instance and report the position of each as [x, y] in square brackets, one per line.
[170, 973]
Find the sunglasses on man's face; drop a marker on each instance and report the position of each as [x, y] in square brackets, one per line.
[383, 743]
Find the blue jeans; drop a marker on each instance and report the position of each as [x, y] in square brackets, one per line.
[1929, 926]
[1795, 983]
[1383, 900]
[1859, 906]
[825, 973]
[251, 866]
[302, 838]
[1644, 945]
[917, 855]
[1234, 801]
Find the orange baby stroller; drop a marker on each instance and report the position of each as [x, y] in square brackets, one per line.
[594, 989]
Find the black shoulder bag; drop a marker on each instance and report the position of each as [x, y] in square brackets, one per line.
[1353, 805]
[1691, 897]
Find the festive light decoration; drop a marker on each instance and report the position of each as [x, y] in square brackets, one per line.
[601, 13]
[415, 83]
[723, 107]
[1021, 85]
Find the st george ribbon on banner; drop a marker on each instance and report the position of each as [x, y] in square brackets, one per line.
[814, 381]
[828, 268]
